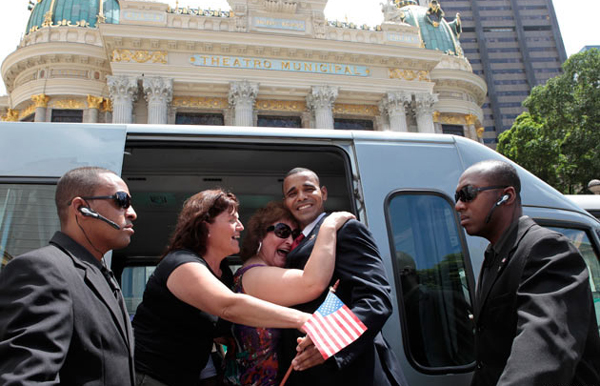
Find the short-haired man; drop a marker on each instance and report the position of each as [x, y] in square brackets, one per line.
[535, 319]
[63, 319]
[363, 287]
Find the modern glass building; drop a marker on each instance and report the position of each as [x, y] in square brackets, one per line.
[513, 45]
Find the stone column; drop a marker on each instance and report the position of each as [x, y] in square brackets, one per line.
[158, 93]
[123, 91]
[424, 112]
[320, 101]
[242, 96]
[94, 104]
[41, 104]
[394, 104]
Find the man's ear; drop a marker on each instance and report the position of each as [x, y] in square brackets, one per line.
[77, 203]
[512, 193]
[324, 192]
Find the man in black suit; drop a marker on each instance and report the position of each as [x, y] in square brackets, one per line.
[363, 287]
[535, 319]
[63, 319]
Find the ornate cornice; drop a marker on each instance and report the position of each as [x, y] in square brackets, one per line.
[455, 119]
[107, 105]
[40, 100]
[275, 105]
[410, 75]
[11, 115]
[349, 109]
[94, 102]
[200, 103]
[27, 111]
[67, 104]
[119, 55]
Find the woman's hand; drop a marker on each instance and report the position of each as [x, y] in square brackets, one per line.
[337, 219]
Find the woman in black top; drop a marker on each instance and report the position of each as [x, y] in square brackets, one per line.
[174, 326]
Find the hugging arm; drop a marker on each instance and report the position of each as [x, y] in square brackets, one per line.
[289, 287]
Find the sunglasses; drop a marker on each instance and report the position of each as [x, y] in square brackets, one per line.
[468, 193]
[283, 231]
[122, 199]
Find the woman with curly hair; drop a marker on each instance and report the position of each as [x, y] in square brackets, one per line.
[175, 324]
[271, 231]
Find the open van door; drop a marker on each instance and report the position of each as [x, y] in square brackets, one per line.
[32, 158]
[407, 187]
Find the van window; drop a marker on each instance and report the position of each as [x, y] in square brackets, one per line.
[580, 239]
[133, 284]
[28, 218]
[434, 297]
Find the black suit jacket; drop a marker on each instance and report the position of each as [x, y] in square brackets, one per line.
[535, 317]
[60, 323]
[364, 288]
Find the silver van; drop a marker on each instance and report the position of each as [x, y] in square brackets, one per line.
[399, 184]
[589, 202]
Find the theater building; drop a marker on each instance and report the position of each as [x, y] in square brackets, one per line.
[261, 63]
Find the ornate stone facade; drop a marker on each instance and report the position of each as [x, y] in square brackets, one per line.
[208, 68]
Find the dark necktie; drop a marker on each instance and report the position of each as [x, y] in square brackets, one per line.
[488, 262]
[297, 241]
[114, 286]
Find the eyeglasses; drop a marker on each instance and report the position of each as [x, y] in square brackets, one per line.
[468, 193]
[283, 231]
[122, 199]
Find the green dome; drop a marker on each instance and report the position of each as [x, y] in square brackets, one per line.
[83, 13]
[436, 33]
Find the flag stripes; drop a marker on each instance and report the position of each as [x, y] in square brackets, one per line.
[333, 326]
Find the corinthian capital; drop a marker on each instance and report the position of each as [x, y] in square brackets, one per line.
[322, 97]
[122, 87]
[157, 89]
[395, 101]
[243, 93]
[424, 103]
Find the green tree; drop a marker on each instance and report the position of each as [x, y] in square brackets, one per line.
[558, 139]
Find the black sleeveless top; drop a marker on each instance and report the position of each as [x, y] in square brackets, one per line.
[173, 340]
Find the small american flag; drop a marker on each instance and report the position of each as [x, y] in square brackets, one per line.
[333, 326]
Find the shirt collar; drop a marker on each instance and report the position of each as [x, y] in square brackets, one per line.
[501, 245]
[307, 229]
[74, 248]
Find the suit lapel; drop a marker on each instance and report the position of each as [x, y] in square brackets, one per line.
[98, 284]
[502, 260]
[298, 256]
[94, 279]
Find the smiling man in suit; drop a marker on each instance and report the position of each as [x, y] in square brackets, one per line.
[535, 319]
[63, 319]
[363, 287]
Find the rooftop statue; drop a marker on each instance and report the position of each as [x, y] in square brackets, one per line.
[391, 13]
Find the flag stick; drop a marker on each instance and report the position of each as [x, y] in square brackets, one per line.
[290, 369]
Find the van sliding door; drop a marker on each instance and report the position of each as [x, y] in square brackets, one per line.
[407, 188]
[163, 172]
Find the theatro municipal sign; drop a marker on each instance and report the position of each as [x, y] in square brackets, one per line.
[278, 65]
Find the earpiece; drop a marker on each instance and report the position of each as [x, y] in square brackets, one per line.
[87, 212]
[503, 199]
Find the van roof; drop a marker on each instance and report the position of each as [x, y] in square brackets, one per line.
[586, 201]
